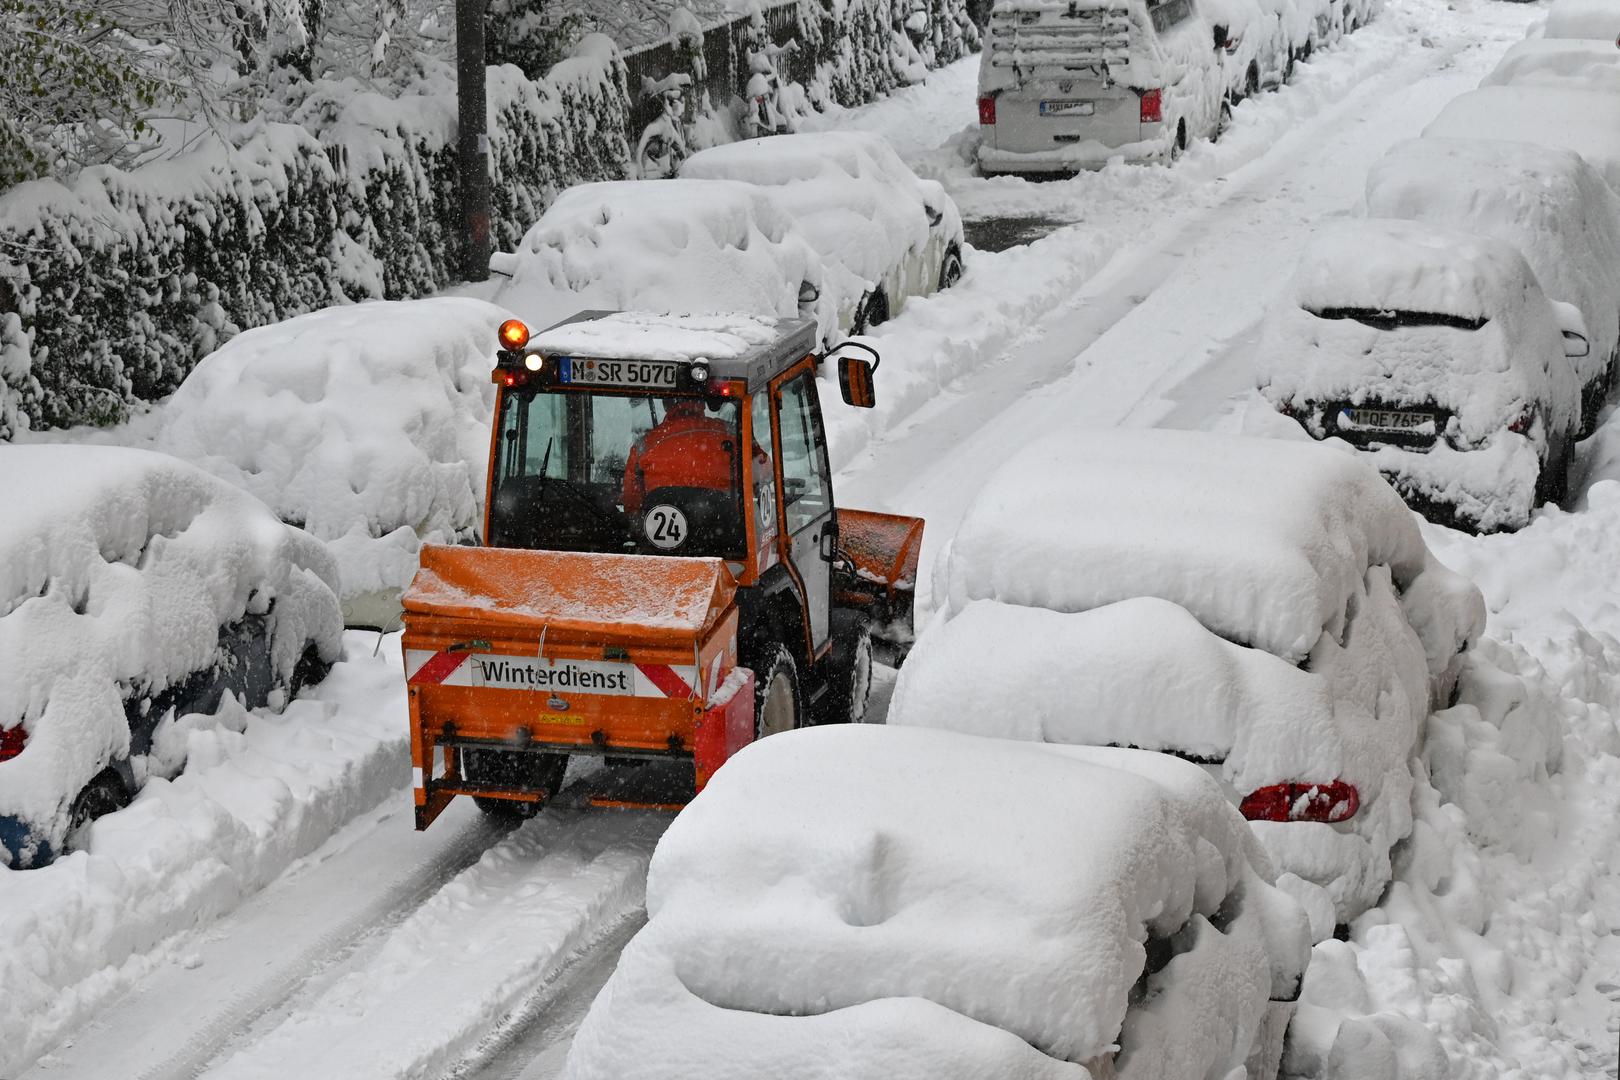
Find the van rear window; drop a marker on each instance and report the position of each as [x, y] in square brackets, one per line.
[1170, 13]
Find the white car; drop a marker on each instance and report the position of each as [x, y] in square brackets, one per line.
[1579, 63]
[1257, 43]
[1586, 121]
[1435, 353]
[687, 246]
[1061, 90]
[136, 590]
[1266, 608]
[883, 234]
[875, 903]
[1549, 204]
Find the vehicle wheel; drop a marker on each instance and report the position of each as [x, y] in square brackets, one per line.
[309, 670]
[875, 313]
[950, 269]
[516, 768]
[1552, 486]
[849, 670]
[1251, 84]
[776, 693]
[104, 794]
[1294, 56]
[1179, 147]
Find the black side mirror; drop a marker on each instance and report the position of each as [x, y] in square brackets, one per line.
[1576, 345]
[855, 380]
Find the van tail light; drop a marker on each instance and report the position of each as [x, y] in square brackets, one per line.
[987, 110]
[1331, 802]
[12, 741]
[1152, 106]
[1524, 423]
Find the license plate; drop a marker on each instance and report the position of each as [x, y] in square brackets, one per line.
[1386, 420]
[642, 374]
[1068, 108]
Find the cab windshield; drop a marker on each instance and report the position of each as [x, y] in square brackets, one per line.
[613, 472]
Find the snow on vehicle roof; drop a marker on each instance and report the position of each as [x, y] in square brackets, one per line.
[877, 921]
[367, 424]
[859, 205]
[1583, 19]
[1570, 118]
[1263, 541]
[118, 568]
[1313, 348]
[1559, 61]
[683, 246]
[642, 335]
[1550, 204]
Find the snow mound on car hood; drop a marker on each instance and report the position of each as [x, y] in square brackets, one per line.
[1583, 19]
[118, 568]
[1586, 121]
[880, 902]
[1581, 64]
[368, 425]
[1263, 541]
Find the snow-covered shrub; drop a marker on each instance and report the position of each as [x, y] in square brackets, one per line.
[367, 425]
[118, 570]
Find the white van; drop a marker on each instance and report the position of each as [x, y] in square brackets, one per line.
[1065, 89]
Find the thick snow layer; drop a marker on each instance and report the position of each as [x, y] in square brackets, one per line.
[1593, 64]
[865, 212]
[1491, 488]
[1583, 19]
[640, 335]
[1550, 204]
[367, 424]
[817, 900]
[1486, 377]
[1263, 541]
[1569, 118]
[679, 246]
[118, 568]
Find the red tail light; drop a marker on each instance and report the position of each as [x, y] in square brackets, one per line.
[1152, 106]
[987, 110]
[12, 741]
[1524, 423]
[1336, 801]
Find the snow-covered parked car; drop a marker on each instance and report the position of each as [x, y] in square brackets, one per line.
[1264, 607]
[1256, 43]
[136, 590]
[883, 234]
[1590, 19]
[875, 903]
[1576, 118]
[1574, 62]
[1435, 352]
[1550, 204]
[682, 246]
[1063, 89]
[366, 424]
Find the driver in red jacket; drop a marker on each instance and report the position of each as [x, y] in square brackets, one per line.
[687, 448]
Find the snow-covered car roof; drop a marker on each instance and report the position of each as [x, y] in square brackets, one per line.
[681, 246]
[119, 569]
[890, 908]
[858, 203]
[1314, 348]
[1571, 118]
[1583, 19]
[1550, 204]
[1594, 64]
[1263, 541]
[367, 424]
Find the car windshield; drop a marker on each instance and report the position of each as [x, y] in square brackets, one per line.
[615, 472]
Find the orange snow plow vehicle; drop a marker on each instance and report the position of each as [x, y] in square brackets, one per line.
[665, 576]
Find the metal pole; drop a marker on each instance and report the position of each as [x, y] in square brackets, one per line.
[472, 140]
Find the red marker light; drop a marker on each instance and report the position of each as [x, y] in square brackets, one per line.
[987, 110]
[510, 380]
[12, 741]
[1152, 106]
[514, 335]
[1330, 802]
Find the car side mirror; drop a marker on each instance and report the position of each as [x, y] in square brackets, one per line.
[1576, 345]
[1220, 36]
[808, 293]
[855, 380]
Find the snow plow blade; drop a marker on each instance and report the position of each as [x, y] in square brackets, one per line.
[881, 576]
[527, 657]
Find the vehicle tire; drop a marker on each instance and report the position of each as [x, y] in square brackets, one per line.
[849, 670]
[874, 313]
[1251, 83]
[1552, 485]
[778, 704]
[518, 768]
[309, 670]
[1179, 147]
[950, 269]
[104, 794]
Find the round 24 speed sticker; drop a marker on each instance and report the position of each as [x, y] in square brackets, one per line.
[665, 526]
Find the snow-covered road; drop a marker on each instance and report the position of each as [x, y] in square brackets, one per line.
[470, 951]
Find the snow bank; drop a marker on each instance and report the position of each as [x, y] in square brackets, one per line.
[119, 569]
[367, 425]
[817, 911]
[1263, 541]
[1585, 121]
[1550, 204]
[1583, 19]
[680, 246]
[1559, 62]
[1485, 377]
